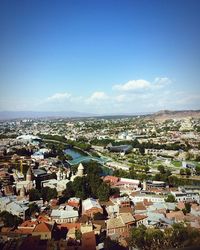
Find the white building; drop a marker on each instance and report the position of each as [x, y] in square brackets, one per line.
[64, 216]
[18, 209]
[186, 196]
[11, 205]
[60, 185]
[148, 197]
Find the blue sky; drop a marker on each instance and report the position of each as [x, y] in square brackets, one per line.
[99, 56]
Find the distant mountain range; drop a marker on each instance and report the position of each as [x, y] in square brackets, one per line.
[6, 115]
[163, 114]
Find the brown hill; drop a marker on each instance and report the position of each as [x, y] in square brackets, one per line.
[179, 115]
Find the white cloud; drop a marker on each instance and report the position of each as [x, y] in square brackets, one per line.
[133, 85]
[160, 82]
[187, 98]
[120, 98]
[96, 97]
[141, 84]
[59, 97]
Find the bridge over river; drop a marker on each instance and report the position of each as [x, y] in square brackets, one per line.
[80, 156]
[101, 160]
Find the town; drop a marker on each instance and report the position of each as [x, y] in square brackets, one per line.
[124, 182]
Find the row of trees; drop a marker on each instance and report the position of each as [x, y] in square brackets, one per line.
[152, 238]
[81, 143]
[163, 175]
[186, 171]
[142, 173]
[136, 144]
[45, 193]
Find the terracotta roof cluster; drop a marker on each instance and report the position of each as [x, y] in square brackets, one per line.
[140, 206]
[147, 203]
[88, 241]
[125, 210]
[177, 215]
[120, 221]
[44, 218]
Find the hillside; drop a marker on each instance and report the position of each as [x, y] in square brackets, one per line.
[180, 114]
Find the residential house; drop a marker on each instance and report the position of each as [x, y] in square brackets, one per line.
[74, 202]
[88, 241]
[27, 226]
[195, 209]
[18, 209]
[90, 207]
[119, 225]
[64, 216]
[176, 216]
[44, 230]
[140, 208]
[140, 219]
[186, 196]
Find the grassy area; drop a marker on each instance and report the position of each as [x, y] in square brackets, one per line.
[177, 164]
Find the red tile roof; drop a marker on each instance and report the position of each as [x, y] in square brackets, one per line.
[43, 227]
[70, 225]
[140, 206]
[111, 179]
[177, 215]
[88, 241]
[28, 223]
[139, 217]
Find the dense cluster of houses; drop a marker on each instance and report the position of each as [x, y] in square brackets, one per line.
[139, 203]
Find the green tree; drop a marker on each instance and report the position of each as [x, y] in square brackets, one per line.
[9, 219]
[188, 207]
[154, 238]
[188, 171]
[173, 180]
[170, 198]
[94, 182]
[137, 237]
[182, 171]
[146, 169]
[48, 193]
[197, 169]
[112, 244]
[69, 191]
[161, 169]
[179, 235]
[103, 192]
[33, 208]
[78, 234]
[34, 194]
[81, 187]
[157, 177]
[114, 191]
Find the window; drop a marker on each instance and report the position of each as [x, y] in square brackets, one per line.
[111, 231]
